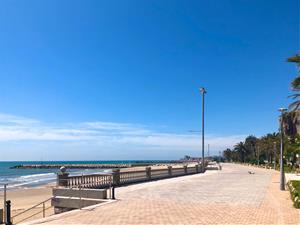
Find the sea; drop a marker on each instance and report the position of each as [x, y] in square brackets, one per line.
[32, 178]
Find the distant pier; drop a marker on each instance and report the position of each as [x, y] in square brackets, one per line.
[85, 166]
[70, 166]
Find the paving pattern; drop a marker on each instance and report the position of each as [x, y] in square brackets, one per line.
[230, 196]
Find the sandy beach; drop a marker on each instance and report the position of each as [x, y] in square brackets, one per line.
[22, 199]
[25, 198]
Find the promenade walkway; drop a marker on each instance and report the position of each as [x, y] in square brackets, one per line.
[230, 196]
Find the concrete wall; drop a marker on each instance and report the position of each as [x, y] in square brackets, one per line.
[83, 193]
[73, 203]
[67, 199]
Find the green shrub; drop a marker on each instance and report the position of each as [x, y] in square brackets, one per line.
[288, 169]
[295, 192]
[297, 205]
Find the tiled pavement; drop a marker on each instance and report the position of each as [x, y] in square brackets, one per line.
[230, 196]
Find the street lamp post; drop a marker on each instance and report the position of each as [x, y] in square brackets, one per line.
[282, 185]
[208, 150]
[258, 153]
[203, 92]
[274, 155]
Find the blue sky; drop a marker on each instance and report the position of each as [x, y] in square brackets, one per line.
[119, 79]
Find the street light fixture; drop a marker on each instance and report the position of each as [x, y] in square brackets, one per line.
[282, 185]
[203, 92]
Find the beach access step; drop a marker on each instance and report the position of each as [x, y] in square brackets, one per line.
[65, 199]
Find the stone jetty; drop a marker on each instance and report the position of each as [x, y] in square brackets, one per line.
[70, 166]
[79, 166]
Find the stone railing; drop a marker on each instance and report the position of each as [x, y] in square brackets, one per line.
[118, 177]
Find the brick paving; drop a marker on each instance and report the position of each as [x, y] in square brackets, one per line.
[230, 196]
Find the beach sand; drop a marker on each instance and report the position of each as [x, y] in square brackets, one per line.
[25, 198]
[22, 199]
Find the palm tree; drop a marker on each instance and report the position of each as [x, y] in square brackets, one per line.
[250, 145]
[295, 85]
[267, 146]
[228, 154]
[240, 150]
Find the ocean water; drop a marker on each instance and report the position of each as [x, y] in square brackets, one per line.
[28, 178]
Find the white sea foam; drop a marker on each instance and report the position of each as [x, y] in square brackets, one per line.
[35, 180]
[36, 175]
[27, 180]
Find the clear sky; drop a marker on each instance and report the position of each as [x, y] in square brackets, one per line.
[119, 79]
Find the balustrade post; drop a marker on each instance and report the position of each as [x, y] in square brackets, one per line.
[197, 168]
[113, 193]
[202, 168]
[148, 173]
[4, 204]
[116, 177]
[170, 170]
[44, 208]
[1, 216]
[62, 177]
[185, 169]
[8, 213]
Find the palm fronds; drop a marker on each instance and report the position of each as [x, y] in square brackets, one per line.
[294, 105]
[294, 59]
[296, 84]
[294, 96]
